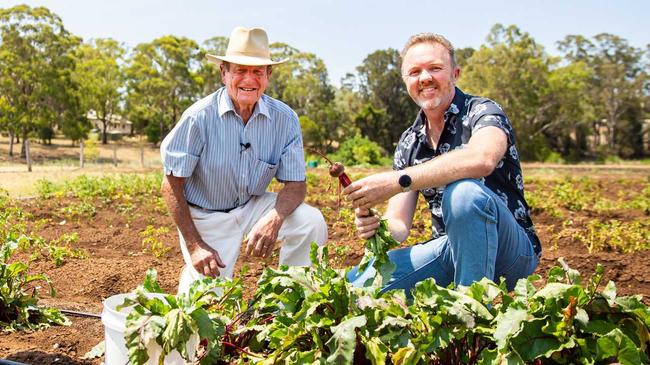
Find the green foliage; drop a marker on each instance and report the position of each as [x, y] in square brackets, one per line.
[172, 322]
[616, 78]
[376, 251]
[302, 83]
[382, 89]
[18, 307]
[98, 72]
[313, 315]
[360, 150]
[76, 210]
[106, 188]
[61, 248]
[312, 133]
[151, 241]
[35, 71]
[164, 64]
[513, 70]
[626, 237]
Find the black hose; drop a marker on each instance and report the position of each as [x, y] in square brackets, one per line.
[79, 314]
[9, 362]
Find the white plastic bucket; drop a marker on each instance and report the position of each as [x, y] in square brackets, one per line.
[114, 326]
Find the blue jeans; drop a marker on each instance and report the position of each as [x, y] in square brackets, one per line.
[483, 240]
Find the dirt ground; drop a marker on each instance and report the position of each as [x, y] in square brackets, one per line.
[117, 264]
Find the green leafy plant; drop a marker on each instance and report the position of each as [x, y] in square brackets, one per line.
[151, 240]
[313, 315]
[172, 322]
[18, 307]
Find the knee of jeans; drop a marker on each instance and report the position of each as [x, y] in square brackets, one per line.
[462, 197]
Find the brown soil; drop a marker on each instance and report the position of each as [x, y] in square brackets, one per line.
[117, 263]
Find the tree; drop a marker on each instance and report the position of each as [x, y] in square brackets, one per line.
[35, 70]
[462, 55]
[513, 70]
[302, 82]
[162, 81]
[209, 72]
[381, 86]
[616, 84]
[99, 75]
[570, 120]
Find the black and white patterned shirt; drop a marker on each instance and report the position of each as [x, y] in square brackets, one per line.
[465, 115]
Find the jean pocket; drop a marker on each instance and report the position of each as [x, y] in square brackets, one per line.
[261, 176]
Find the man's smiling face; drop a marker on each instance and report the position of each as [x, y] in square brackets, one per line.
[245, 84]
[429, 75]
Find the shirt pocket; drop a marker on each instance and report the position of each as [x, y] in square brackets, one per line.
[261, 176]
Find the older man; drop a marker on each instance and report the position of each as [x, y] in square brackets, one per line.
[219, 160]
[460, 155]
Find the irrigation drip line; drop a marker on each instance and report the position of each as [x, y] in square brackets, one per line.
[9, 362]
[78, 314]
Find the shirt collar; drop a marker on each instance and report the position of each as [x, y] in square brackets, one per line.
[226, 105]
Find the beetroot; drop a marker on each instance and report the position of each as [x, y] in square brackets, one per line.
[337, 170]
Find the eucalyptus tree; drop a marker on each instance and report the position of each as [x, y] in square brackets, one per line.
[616, 85]
[36, 61]
[100, 77]
[302, 82]
[513, 70]
[389, 110]
[162, 81]
[208, 71]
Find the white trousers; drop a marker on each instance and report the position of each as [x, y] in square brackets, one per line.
[224, 232]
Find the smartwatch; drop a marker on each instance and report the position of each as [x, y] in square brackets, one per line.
[404, 181]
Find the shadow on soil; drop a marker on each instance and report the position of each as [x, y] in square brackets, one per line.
[42, 358]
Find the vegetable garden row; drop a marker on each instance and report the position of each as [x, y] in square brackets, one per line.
[300, 315]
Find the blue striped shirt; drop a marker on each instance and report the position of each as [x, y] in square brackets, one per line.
[226, 162]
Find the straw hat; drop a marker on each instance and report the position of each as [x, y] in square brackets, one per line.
[249, 47]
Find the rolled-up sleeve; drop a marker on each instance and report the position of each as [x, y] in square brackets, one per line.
[181, 149]
[292, 161]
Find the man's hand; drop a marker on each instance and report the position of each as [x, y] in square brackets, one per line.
[366, 223]
[262, 237]
[373, 189]
[206, 260]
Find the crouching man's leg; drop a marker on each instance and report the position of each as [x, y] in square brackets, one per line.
[484, 237]
[304, 225]
[219, 230]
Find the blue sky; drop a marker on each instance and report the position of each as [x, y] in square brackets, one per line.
[342, 32]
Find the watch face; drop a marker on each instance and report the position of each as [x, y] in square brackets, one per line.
[404, 181]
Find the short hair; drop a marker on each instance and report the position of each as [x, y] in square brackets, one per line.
[433, 39]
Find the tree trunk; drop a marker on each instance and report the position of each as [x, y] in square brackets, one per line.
[27, 155]
[22, 148]
[11, 143]
[611, 135]
[81, 154]
[162, 131]
[104, 135]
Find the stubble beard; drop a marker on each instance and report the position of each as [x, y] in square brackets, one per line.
[433, 103]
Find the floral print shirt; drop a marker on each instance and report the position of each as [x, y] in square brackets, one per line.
[465, 115]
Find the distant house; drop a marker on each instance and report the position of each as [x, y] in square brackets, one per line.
[117, 124]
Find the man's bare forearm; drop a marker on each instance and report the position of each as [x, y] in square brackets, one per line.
[172, 192]
[290, 197]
